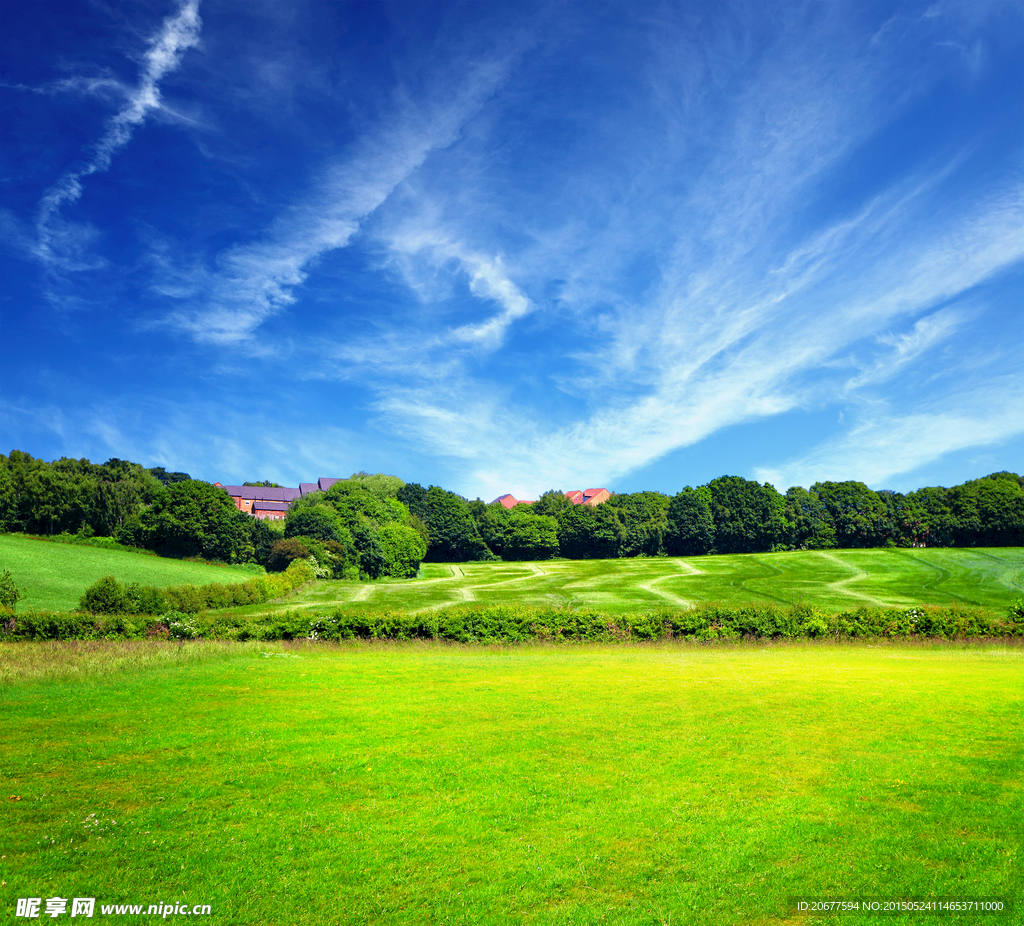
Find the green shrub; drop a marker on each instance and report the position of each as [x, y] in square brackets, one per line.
[104, 596]
[10, 594]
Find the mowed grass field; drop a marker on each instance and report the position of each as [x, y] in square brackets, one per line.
[426, 784]
[54, 575]
[834, 579]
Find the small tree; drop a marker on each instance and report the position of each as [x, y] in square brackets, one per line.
[105, 596]
[10, 594]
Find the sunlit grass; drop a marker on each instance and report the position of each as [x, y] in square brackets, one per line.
[54, 575]
[433, 784]
[832, 580]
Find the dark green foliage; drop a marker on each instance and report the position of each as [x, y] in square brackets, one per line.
[105, 596]
[691, 528]
[529, 536]
[808, 523]
[264, 484]
[588, 533]
[284, 551]
[158, 472]
[403, 550]
[320, 521]
[10, 594]
[414, 497]
[643, 520]
[193, 518]
[454, 537]
[748, 516]
[990, 511]
[552, 503]
[859, 515]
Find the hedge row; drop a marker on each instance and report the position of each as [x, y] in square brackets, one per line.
[517, 623]
[108, 596]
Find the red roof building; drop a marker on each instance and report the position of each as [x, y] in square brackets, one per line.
[589, 497]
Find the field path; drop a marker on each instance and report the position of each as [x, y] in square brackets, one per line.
[840, 584]
[363, 593]
[535, 571]
[685, 569]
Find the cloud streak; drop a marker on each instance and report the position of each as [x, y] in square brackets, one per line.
[60, 242]
[255, 281]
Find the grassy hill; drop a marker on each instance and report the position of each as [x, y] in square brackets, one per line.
[54, 575]
[834, 579]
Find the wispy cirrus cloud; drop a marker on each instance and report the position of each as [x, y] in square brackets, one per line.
[63, 244]
[252, 282]
[884, 443]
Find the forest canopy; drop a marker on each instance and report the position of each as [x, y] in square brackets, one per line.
[374, 525]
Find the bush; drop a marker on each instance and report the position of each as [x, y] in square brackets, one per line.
[10, 594]
[284, 551]
[104, 596]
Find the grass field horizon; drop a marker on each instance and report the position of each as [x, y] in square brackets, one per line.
[423, 784]
[831, 580]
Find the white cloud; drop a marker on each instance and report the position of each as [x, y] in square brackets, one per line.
[64, 244]
[886, 444]
[255, 281]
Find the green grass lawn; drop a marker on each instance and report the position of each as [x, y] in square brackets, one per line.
[54, 575]
[571, 785]
[834, 579]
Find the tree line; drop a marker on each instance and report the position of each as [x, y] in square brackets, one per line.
[376, 525]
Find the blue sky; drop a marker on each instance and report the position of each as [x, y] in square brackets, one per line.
[509, 247]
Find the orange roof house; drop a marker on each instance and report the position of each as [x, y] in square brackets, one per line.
[589, 497]
[510, 501]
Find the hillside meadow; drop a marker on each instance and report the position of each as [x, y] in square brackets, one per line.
[427, 784]
[831, 580]
[54, 575]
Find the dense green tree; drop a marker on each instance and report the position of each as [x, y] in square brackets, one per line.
[989, 511]
[588, 533]
[10, 594]
[492, 522]
[643, 517]
[54, 500]
[938, 524]
[748, 516]
[691, 528]
[403, 549]
[320, 521]
[529, 536]
[283, 551]
[859, 515]
[808, 524]
[454, 537]
[414, 497]
[553, 503]
[193, 518]
[167, 478]
[9, 520]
